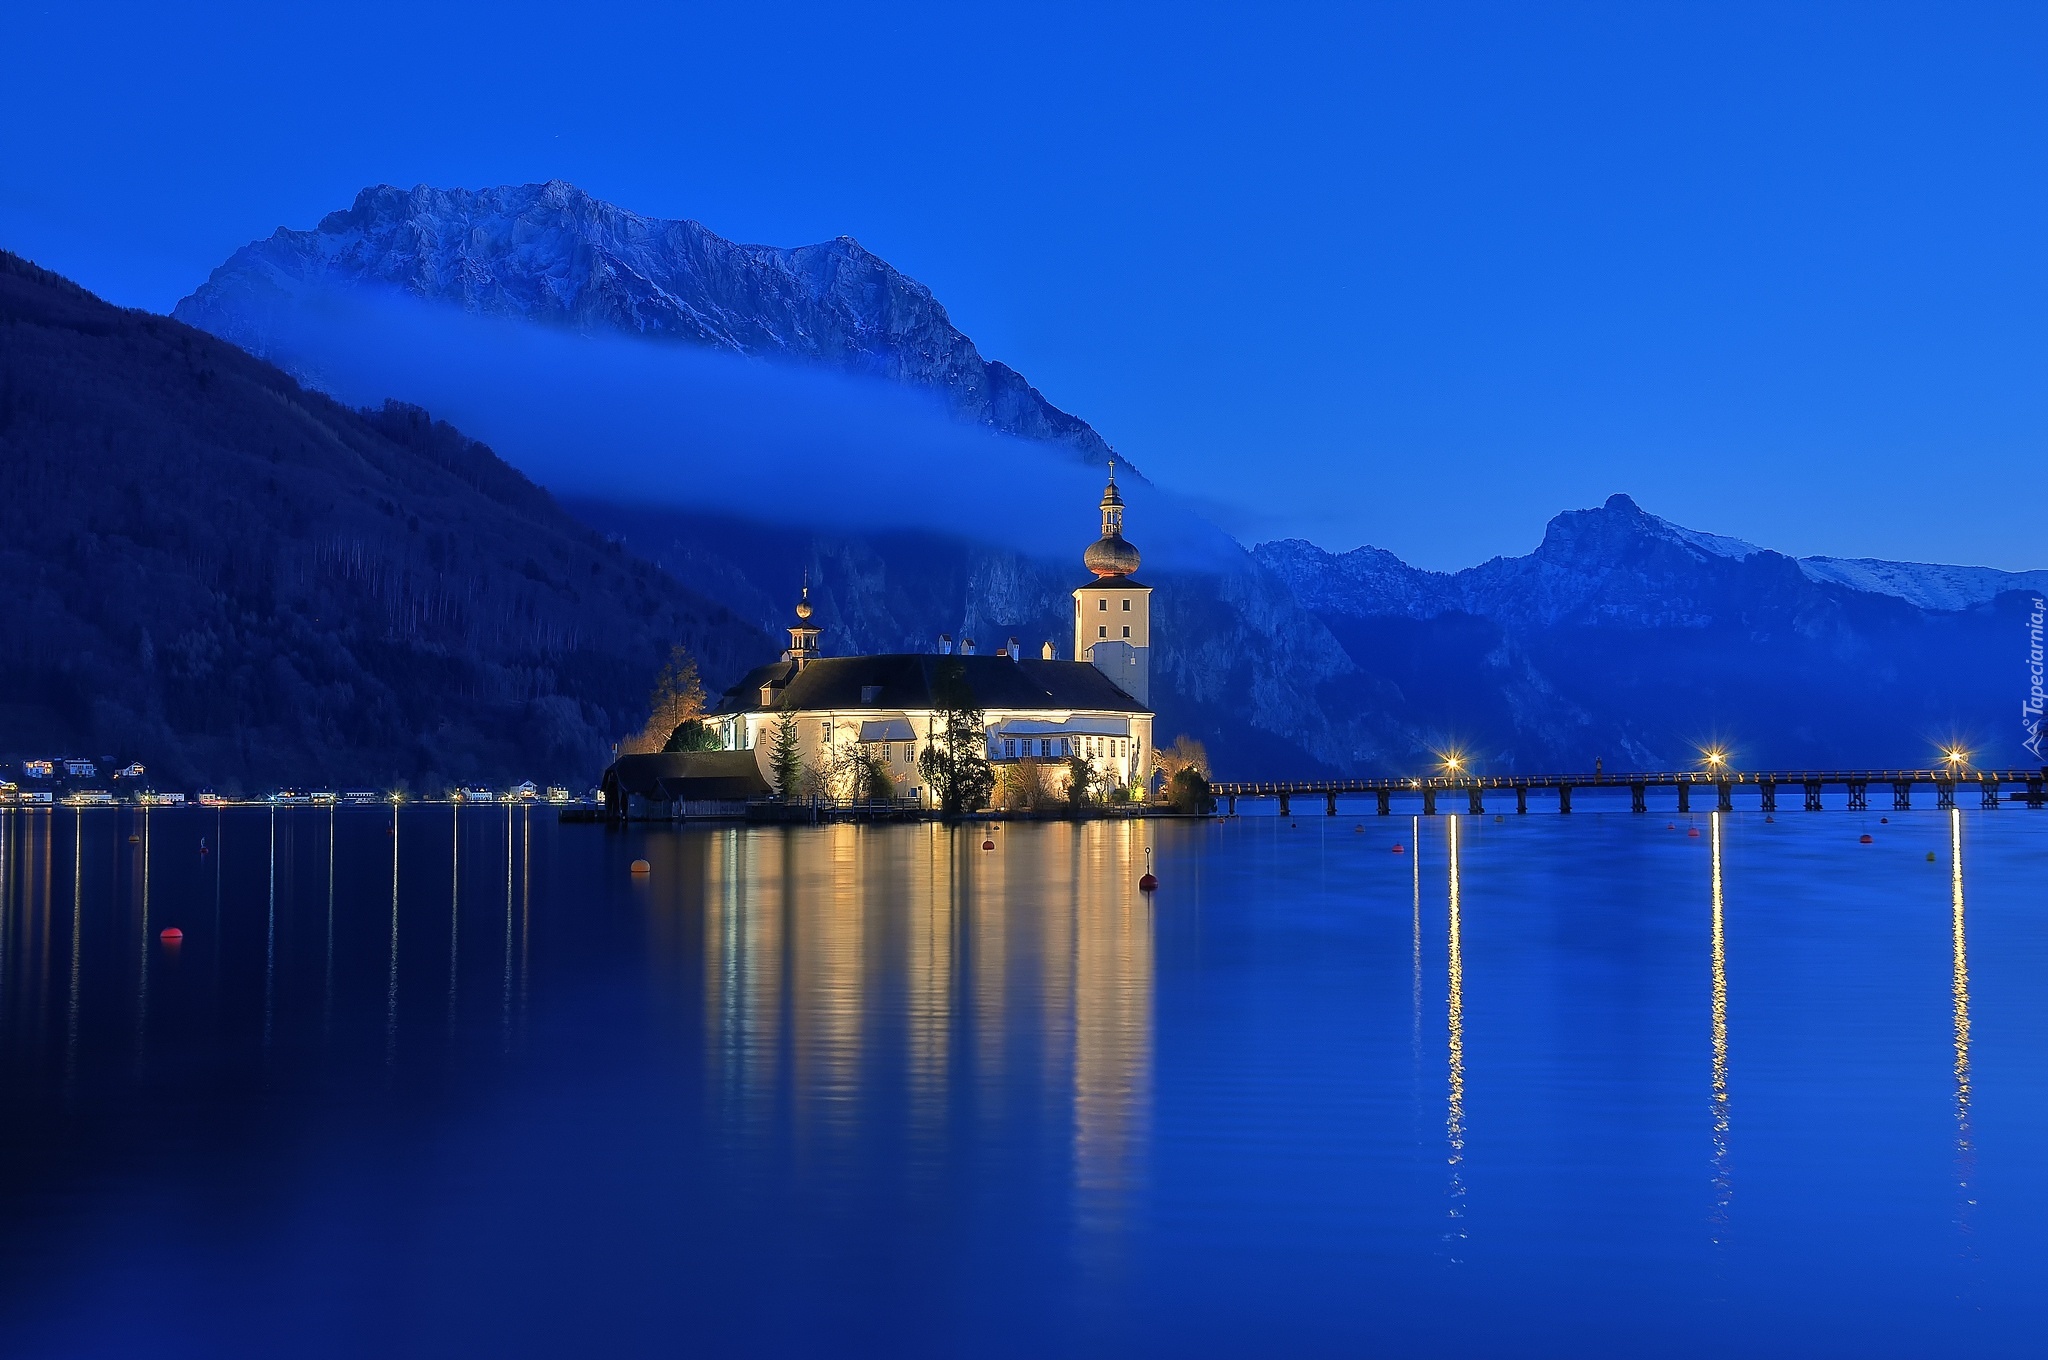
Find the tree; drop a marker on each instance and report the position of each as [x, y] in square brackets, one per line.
[786, 761]
[1188, 791]
[1080, 781]
[861, 775]
[677, 700]
[954, 761]
[1024, 785]
[1185, 754]
[693, 735]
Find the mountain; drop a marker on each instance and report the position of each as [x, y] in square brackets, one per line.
[552, 254]
[1622, 637]
[1627, 637]
[230, 577]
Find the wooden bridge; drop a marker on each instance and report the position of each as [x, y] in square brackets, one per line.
[1988, 786]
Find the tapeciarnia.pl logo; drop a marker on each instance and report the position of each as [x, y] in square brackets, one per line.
[2030, 712]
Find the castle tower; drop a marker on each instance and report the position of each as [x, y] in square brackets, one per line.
[803, 637]
[1113, 613]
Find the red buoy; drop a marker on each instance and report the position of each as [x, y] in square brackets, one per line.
[1692, 831]
[988, 845]
[1864, 841]
[1882, 820]
[1397, 847]
[1147, 883]
[172, 935]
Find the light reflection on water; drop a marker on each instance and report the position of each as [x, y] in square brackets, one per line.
[455, 1076]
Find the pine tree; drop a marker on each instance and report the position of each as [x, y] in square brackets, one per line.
[786, 761]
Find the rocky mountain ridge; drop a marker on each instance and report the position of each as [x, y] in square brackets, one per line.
[552, 254]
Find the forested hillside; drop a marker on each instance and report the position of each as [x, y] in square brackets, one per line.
[232, 578]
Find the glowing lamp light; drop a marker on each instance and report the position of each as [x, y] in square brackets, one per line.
[1716, 758]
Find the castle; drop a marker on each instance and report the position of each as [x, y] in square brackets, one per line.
[1095, 706]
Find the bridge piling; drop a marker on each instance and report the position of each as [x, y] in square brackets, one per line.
[1726, 801]
[1564, 798]
[2034, 793]
[1902, 795]
[1944, 794]
[1684, 797]
[1478, 806]
[1285, 810]
[1812, 795]
[1859, 797]
[1521, 799]
[1770, 795]
[1386, 803]
[1990, 787]
[1429, 802]
[1330, 805]
[1637, 798]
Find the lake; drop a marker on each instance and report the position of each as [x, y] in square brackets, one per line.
[457, 1082]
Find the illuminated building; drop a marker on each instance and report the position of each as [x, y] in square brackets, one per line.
[1034, 708]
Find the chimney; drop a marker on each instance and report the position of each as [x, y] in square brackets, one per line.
[966, 645]
[945, 644]
[1048, 651]
[1015, 649]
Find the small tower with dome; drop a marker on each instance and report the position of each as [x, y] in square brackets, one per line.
[803, 635]
[1113, 613]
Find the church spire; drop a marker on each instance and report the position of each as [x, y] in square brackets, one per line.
[1110, 555]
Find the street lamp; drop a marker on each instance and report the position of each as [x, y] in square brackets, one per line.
[1955, 756]
[1717, 759]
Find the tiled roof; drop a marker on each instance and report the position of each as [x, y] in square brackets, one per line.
[905, 682]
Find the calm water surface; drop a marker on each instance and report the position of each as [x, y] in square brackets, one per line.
[1538, 1085]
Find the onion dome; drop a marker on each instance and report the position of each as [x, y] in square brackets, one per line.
[803, 604]
[1110, 555]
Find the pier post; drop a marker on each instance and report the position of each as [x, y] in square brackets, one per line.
[1521, 798]
[1637, 798]
[1769, 789]
[1478, 807]
[1990, 787]
[1285, 810]
[1944, 794]
[2033, 793]
[1428, 801]
[1685, 795]
[1564, 798]
[1233, 803]
[1812, 795]
[1859, 797]
[1330, 805]
[1902, 795]
[1727, 800]
[1386, 803]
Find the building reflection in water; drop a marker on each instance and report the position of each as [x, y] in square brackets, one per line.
[1966, 1151]
[1723, 1186]
[840, 961]
[1454, 1120]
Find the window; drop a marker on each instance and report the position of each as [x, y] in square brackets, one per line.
[1009, 748]
[1045, 747]
[1102, 632]
[1127, 606]
[1127, 630]
[908, 748]
[826, 734]
[1103, 605]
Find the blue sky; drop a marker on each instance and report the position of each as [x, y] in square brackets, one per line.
[1419, 275]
